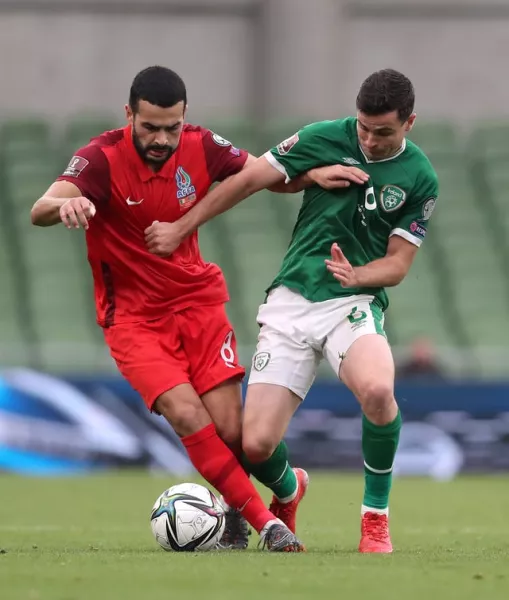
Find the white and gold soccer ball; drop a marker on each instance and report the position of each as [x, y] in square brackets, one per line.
[187, 517]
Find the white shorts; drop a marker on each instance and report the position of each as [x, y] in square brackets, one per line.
[296, 334]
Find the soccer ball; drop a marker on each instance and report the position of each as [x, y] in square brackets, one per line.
[187, 517]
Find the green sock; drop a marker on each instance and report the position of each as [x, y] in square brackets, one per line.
[379, 445]
[275, 473]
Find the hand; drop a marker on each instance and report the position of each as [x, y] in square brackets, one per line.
[76, 212]
[163, 239]
[341, 268]
[337, 176]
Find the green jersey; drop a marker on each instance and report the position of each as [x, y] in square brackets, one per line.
[398, 199]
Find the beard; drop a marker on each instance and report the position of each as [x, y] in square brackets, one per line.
[157, 160]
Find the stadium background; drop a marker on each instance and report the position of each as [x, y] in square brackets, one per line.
[256, 71]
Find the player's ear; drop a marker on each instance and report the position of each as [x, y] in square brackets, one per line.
[410, 122]
[129, 114]
[185, 110]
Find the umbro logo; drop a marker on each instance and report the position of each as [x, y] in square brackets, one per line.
[132, 202]
[350, 161]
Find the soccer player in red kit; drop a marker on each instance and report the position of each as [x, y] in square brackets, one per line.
[164, 319]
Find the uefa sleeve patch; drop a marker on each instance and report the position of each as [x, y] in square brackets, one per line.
[76, 166]
[220, 141]
[428, 208]
[285, 146]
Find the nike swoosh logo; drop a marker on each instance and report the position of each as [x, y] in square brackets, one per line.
[243, 507]
[132, 202]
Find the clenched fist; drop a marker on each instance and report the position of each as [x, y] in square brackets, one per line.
[163, 239]
[76, 212]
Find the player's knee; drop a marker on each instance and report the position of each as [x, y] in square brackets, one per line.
[186, 417]
[231, 434]
[257, 447]
[376, 396]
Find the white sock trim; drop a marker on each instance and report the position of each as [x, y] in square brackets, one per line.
[378, 471]
[290, 498]
[378, 511]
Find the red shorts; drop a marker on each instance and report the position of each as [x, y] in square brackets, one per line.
[195, 346]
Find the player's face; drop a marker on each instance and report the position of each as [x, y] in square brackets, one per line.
[381, 136]
[156, 131]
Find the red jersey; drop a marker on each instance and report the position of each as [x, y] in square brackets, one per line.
[130, 283]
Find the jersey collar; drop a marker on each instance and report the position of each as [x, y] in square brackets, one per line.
[144, 171]
[398, 153]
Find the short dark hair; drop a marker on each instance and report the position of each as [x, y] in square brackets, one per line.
[159, 86]
[386, 91]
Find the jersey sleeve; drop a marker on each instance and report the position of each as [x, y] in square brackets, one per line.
[223, 159]
[89, 170]
[414, 217]
[301, 152]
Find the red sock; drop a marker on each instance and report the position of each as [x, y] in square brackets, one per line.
[216, 463]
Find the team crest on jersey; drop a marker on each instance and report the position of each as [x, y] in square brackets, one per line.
[392, 197]
[350, 161]
[186, 192]
[261, 360]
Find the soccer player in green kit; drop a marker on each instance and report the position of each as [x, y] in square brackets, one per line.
[329, 298]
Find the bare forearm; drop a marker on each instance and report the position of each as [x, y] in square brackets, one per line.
[384, 272]
[219, 200]
[46, 211]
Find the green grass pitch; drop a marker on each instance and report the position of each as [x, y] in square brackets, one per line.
[89, 538]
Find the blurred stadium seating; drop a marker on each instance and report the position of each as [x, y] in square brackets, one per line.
[456, 293]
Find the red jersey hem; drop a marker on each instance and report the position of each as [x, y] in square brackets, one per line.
[159, 313]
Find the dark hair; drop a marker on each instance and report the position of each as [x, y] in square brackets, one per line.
[159, 86]
[385, 91]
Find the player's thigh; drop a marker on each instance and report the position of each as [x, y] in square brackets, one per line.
[268, 411]
[369, 366]
[150, 356]
[209, 343]
[357, 317]
[368, 371]
[358, 351]
[224, 405]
